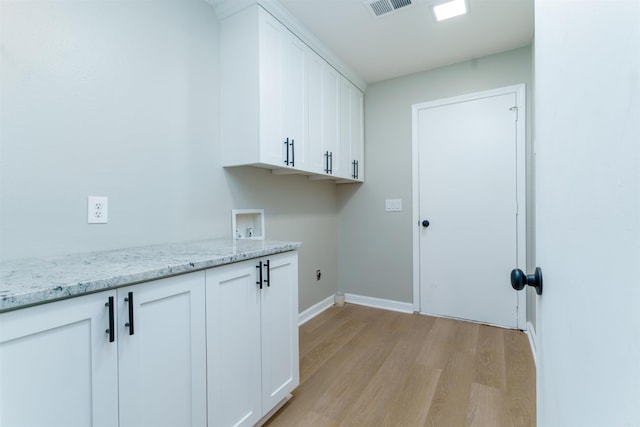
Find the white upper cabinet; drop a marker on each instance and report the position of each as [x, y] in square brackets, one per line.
[351, 131]
[323, 114]
[281, 102]
[263, 95]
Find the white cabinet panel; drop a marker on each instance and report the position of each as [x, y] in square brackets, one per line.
[351, 131]
[323, 98]
[279, 314]
[163, 363]
[57, 366]
[252, 338]
[233, 340]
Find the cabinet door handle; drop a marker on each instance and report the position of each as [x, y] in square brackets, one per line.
[268, 279]
[293, 153]
[129, 324]
[326, 162]
[112, 327]
[259, 267]
[353, 168]
[286, 147]
[331, 162]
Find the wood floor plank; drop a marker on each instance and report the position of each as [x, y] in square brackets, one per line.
[413, 402]
[490, 366]
[331, 390]
[371, 367]
[486, 407]
[451, 398]
[313, 333]
[387, 383]
[332, 343]
[521, 379]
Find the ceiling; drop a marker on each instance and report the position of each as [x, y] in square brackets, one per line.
[408, 40]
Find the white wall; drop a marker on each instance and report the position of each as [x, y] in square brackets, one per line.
[375, 246]
[121, 99]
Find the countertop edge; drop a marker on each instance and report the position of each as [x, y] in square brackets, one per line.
[56, 292]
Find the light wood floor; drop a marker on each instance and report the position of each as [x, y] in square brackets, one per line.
[361, 366]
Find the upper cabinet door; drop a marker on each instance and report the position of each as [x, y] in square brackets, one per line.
[323, 97]
[351, 131]
[294, 100]
[272, 53]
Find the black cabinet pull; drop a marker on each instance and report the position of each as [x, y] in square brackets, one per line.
[354, 175]
[331, 162]
[129, 324]
[286, 147]
[259, 267]
[112, 327]
[326, 162]
[268, 279]
[293, 153]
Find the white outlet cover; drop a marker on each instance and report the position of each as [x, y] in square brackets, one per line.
[393, 205]
[97, 209]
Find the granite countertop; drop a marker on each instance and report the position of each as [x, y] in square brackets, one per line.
[26, 282]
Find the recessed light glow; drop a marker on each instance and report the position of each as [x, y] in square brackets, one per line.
[450, 9]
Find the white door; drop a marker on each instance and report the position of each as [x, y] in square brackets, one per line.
[162, 365]
[587, 147]
[468, 191]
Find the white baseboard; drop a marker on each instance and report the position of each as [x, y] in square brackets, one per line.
[314, 310]
[404, 307]
[531, 333]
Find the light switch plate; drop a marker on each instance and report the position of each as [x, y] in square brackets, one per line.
[393, 205]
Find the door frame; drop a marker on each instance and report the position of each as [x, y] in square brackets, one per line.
[521, 187]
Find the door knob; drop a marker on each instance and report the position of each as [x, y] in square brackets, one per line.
[425, 223]
[519, 280]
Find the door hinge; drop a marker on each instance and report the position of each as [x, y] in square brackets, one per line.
[515, 108]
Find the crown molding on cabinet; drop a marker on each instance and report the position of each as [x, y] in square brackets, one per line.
[226, 8]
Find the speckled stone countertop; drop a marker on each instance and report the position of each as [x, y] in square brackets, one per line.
[32, 281]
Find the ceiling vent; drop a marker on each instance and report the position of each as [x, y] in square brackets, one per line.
[384, 7]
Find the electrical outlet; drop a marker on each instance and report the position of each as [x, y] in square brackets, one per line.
[97, 211]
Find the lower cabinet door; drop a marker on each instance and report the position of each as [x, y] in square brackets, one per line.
[233, 344]
[279, 320]
[58, 366]
[162, 352]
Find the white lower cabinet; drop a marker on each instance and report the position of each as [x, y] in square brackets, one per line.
[141, 356]
[252, 338]
[63, 364]
[57, 366]
[162, 361]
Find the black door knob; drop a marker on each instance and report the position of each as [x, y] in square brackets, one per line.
[425, 223]
[519, 280]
